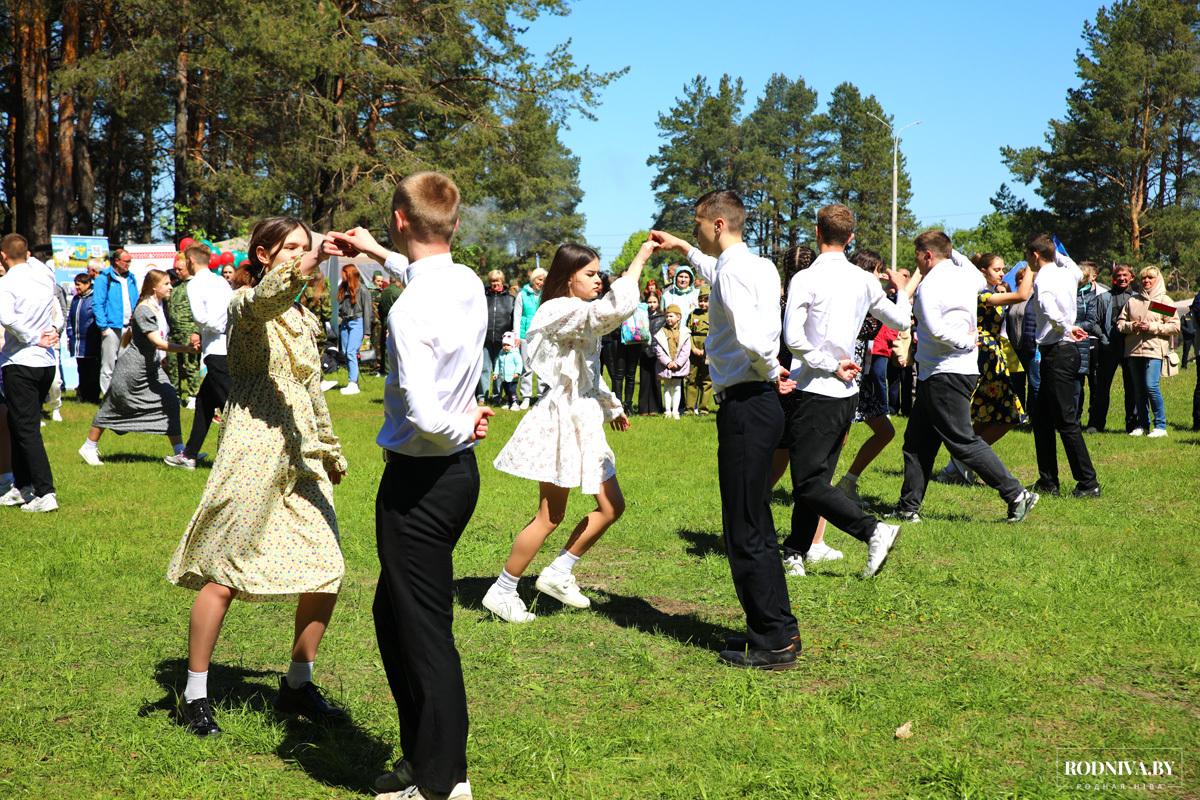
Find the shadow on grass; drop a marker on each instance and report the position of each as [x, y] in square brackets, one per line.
[673, 619]
[342, 756]
[670, 618]
[781, 496]
[702, 543]
[131, 458]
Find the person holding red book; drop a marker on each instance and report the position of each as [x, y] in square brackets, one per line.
[1149, 320]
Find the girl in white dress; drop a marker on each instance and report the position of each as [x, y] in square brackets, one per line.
[560, 443]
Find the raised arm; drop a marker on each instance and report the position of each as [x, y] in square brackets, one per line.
[277, 290]
[897, 315]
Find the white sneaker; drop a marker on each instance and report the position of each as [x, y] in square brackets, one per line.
[1137, 432]
[514, 407]
[507, 607]
[562, 587]
[191, 404]
[849, 487]
[180, 461]
[349, 388]
[327, 385]
[793, 565]
[56, 415]
[878, 548]
[1157, 433]
[525, 404]
[822, 552]
[391, 784]
[40, 505]
[17, 497]
[91, 455]
[461, 791]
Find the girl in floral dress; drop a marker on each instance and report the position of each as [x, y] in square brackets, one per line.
[995, 407]
[265, 529]
[560, 443]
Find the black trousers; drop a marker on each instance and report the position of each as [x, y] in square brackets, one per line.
[1056, 412]
[1196, 401]
[817, 428]
[649, 397]
[213, 394]
[942, 414]
[624, 375]
[1109, 361]
[749, 425]
[26, 388]
[88, 390]
[421, 510]
[908, 388]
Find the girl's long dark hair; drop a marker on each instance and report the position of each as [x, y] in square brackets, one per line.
[792, 261]
[270, 234]
[569, 259]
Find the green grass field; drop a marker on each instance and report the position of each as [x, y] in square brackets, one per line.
[1007, 647]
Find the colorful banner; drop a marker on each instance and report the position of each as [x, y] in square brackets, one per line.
[73, 253]
[150, 256]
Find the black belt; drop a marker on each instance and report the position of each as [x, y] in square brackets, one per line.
[741, 391]
[1046, 348]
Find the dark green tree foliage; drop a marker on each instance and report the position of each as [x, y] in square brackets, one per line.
[858, 164]
[1118, 172]
[315, 108]
[784, 159]
[703, 149]
[783, 136]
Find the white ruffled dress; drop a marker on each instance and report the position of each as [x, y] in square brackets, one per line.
[561, 440]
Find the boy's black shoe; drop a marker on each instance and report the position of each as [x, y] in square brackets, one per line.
[197, 717]
[739, 641]
[1043, 488]
[307, 701]
[774, 660]
[1083, 493]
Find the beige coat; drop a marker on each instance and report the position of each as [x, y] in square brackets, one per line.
[1156, 342]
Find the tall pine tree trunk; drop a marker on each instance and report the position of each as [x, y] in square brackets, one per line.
[180, 149]
[85, 178]
[34, 167]
[65, 206]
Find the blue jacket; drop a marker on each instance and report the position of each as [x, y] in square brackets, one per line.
[106, 298]
[83, 337]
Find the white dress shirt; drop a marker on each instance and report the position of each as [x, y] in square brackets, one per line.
[826, 306]
[743, 316]
[28, 308]
[946, 308]
[435, 355]
[209, 296]
[1055, 287]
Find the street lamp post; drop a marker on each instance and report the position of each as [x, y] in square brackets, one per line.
[895, 173]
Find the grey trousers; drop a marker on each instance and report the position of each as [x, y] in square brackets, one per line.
[110, 344]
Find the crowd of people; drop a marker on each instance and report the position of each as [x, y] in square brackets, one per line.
[792, 353]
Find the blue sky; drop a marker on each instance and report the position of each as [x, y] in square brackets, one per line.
[978, 76]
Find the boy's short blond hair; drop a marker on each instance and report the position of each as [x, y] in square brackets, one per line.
[429, 201]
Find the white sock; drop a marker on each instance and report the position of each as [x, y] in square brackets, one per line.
[88, 444]
[507, 583]
[565, 562]
[178, 448]
[197, 686]
[299, 673]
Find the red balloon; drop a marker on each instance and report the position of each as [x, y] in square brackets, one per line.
[185, 243]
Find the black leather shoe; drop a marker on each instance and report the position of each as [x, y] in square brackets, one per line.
[1083, 494]
[197, 717]
[1043, 488]
[740, 641]
[774, 660]
[307, 701]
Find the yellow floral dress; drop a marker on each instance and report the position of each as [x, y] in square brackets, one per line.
[266, 525]
[995, 400]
